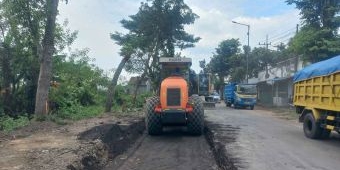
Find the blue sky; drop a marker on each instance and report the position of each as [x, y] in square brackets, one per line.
[95, 20]
[265, 8]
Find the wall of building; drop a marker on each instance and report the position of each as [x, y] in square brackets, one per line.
[275, 85]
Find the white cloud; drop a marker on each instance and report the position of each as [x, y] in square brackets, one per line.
[215, 25]
[95, 20]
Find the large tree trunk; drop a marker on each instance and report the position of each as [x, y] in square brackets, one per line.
[46, 59]
[113, 84]
[33, 75]
[7, 77]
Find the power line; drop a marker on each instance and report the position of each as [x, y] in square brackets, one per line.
[281, 33]
[283, 39]
[283, 36]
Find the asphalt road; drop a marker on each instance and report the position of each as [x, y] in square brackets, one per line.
[253, 139]
[257, 140]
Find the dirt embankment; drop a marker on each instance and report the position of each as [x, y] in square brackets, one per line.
[86, 144]
[92, 144]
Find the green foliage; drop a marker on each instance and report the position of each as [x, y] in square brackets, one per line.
[315, 44]
[237, 70]
[8, 124]
[319, 13]
[78, 90]
[77, 112]
[162, 22]
[124, 101]
[156, 30]
[222, 62]
[230, 62]
[22, 25]
[318, 39]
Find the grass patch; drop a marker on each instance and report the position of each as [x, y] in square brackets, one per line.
[9, 124]
[78, 112]
[61, 117]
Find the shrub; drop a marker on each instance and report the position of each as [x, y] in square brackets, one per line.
[8, 124]
[77, 112]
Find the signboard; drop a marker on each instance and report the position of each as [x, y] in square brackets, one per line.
[174, 60]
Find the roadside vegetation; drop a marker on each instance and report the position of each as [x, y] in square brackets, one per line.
[43, 78]
[76, 88]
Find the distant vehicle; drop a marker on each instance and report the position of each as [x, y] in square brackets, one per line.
[205, 89]
[317, 98]
[240, 95]
[216, 97]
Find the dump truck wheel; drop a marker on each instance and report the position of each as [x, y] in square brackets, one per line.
[152, 119]
[196, 118]
[311, 128]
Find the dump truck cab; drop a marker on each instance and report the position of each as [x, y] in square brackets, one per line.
[240, 95]
[173, 105]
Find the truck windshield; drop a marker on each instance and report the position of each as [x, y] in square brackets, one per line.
[247, 89]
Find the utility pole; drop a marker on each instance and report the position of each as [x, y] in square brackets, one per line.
[247, 55]
[266, 43]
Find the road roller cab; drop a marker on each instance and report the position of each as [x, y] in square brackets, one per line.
[173, 106]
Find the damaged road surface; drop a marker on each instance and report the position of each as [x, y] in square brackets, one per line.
[259, 140]
[174, 149]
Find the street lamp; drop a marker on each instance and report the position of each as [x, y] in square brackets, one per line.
[247, 55]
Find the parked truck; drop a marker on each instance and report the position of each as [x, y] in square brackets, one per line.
[240, 95]
[317, 98]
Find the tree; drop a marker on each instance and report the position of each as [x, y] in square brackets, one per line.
[315, 44]
[203, 66]
[24, 20]
[5, 67]
[318, 39]
[24, 24]
[46, 58]
[76, 82]
[128, 49]
[157, 30]
[220, 63]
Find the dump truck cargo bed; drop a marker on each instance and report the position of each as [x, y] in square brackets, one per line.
[317, 98]
[321, 92]
[318, 85]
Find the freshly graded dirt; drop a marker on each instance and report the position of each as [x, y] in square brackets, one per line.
[85, 144]
[174, 149]
[118, 143]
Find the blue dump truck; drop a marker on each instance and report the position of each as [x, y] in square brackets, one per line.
[240, 95]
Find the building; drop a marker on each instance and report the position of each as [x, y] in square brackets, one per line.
[143, 87]
[275, 84]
